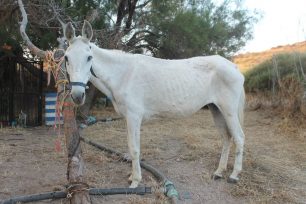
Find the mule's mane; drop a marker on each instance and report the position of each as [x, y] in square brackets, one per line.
[115, 51]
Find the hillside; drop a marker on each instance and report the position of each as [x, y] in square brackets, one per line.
[248, 60]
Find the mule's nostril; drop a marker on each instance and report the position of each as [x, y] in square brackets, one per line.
[77, 99]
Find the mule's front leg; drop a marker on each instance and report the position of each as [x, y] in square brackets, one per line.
[133, 126]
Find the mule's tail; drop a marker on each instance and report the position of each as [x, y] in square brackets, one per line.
[241, 107]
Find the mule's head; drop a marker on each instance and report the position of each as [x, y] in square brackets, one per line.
[78, 59]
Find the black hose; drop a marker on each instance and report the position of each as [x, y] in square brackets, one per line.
[159, 175]
[36, 197]
[103, 148]
[114, 191]
[169, 188]
[63, 194]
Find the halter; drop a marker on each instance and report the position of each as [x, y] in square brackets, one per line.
[78, 84]
[81, 83]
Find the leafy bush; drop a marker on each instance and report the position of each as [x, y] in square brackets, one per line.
[281, 80]
[268, 75]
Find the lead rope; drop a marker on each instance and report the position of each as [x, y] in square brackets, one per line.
[54, 66]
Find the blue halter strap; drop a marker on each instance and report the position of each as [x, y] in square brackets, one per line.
[77, 84]
[81, 83]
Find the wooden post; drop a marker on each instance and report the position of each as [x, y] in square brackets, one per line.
[78, 189]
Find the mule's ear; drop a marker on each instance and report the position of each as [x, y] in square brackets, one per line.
[69, 32]
[87, 30]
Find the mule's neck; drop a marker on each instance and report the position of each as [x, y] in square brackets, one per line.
[110, 66]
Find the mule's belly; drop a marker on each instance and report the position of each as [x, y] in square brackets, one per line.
[182, 107]
[176, 94]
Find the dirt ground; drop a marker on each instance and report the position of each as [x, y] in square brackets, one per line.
[186, 150]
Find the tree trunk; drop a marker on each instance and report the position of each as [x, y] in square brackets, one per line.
[75, 168]
[78, 189]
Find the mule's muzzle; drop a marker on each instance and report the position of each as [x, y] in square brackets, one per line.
[78, 98]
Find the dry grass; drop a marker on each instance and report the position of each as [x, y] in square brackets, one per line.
[270, 175]
[277, 175]
[186, 150]
[266, 180]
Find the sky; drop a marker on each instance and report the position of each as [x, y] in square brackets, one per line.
[283, 22]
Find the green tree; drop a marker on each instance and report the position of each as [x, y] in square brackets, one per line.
[166, 28]
[189, 28]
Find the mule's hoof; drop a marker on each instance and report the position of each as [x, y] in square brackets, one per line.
[232, 180]
[216, 177]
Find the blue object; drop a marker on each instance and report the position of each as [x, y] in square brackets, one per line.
[50, 110]
[14, 123]
[170, 190]
[91, 120]
[83, 126]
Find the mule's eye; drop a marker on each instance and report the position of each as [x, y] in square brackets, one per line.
[66, 59]
[89, 58]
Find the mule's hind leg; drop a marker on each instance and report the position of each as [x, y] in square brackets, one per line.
[226, 140]
[232, 120]
[133, 126]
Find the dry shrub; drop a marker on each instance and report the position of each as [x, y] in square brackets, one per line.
[280, 82]
[259, 100]
[290, 95]
[288, 102]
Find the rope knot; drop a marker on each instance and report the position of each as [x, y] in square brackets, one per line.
[76, 187]
[52, 63]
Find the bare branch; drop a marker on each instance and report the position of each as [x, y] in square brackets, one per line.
[144, 4]
[61, 40]
[23, 24]
[139, 36]
[57, 14]
[62, 23]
